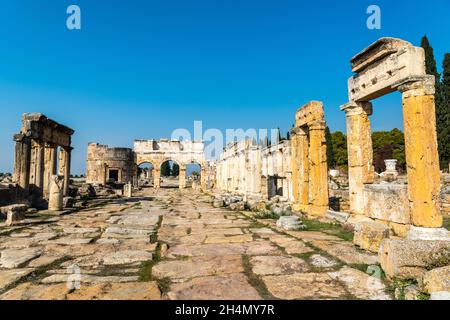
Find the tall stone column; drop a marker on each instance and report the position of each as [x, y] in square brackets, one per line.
[40, 165]
[182, 177]
[203, 178]
[318, 171]
[64, 167]
[300, 168]
[360, 152]
[421, 151]
[22, 160]
[49, 167]
[157, 177]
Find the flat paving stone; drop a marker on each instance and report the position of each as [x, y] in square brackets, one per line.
[304, 286]
[8, 277]
[346, 252]
[275, 265]
[223, 287]
[14, 258]
[117, 291]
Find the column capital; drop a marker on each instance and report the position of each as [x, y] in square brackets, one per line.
[416, 86]
[299, 131]
[317, 125]
[357, 108]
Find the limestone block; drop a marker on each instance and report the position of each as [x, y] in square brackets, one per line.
[128, 190]
[14, 213]
[388, 202]
[290, 223]
[369, 235]
[408, 259]
[417, 233]
[437, 280]
[55, 202]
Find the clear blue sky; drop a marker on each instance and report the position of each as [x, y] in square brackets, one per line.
[140, 69]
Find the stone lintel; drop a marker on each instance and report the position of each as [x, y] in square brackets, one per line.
[377, 51]
[317, 125]
[299, 131]
[310, 112]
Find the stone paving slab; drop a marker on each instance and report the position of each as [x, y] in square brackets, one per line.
[224, 287]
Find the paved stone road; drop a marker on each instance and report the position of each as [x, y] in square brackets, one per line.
[169, 244]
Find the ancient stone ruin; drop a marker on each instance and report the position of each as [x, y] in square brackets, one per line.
[43, 149]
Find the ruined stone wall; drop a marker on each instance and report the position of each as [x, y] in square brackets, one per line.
[246, 168]
[101, 160]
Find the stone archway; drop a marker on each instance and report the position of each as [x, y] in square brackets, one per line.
[181, 152]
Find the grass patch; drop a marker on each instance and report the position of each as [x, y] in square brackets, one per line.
[189, 231]
[255, 281]
[447, 222]
[267, 215]
[164, 285]
[329, 228]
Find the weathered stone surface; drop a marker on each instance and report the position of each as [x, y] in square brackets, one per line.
[276, 265]
[437, 280]
[362, 285]
[8, 277]
[290, 223]
[309, 236]
[86, 278]
[198, 267]
[442, 295]
[118, 291]
[368, 236]
[341, 217]
[387, 202]
[346, 252]
[320, 261]
[432, 234]
[126, 257]
[229, 239]
[304, 286]
[14, 213]
[409, 258]
[12, 258]
[232, 286]
[29, 291]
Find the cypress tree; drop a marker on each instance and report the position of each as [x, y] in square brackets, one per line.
[442, 113]
[445, 91]
[330, 151]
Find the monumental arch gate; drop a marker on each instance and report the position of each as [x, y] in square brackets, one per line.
[181, 152]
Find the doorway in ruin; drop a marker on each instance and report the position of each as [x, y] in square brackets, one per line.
[113, 175]
[193, 175]
[170, 172]
[145, 175]
[274, 186]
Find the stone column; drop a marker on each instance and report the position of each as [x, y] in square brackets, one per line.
[203, 185]
[182, 177]
[55, 201]
[422, 157]
[22, 161]
[40, 165]
[360, 152]
[64, 167]
[157, 178]
[49, 167]
[318, 171]
[300, 168]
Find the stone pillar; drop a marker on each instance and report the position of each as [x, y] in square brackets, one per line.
[157, 178]
[360, 152]
[22, 161]
[422, 157]
[300, 169]
[55, 201]
[64, 167]
[203, 185]
[318, 171]
[182, 177]
[49, 167]
[40, 165]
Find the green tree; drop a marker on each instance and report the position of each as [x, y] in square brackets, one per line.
[165, 169]
[175, 170]
[388, 145]
[340, 153]
[442, 112]
[444, 134]
[330, 151]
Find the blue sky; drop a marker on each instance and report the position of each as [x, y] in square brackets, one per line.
[140, 69]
